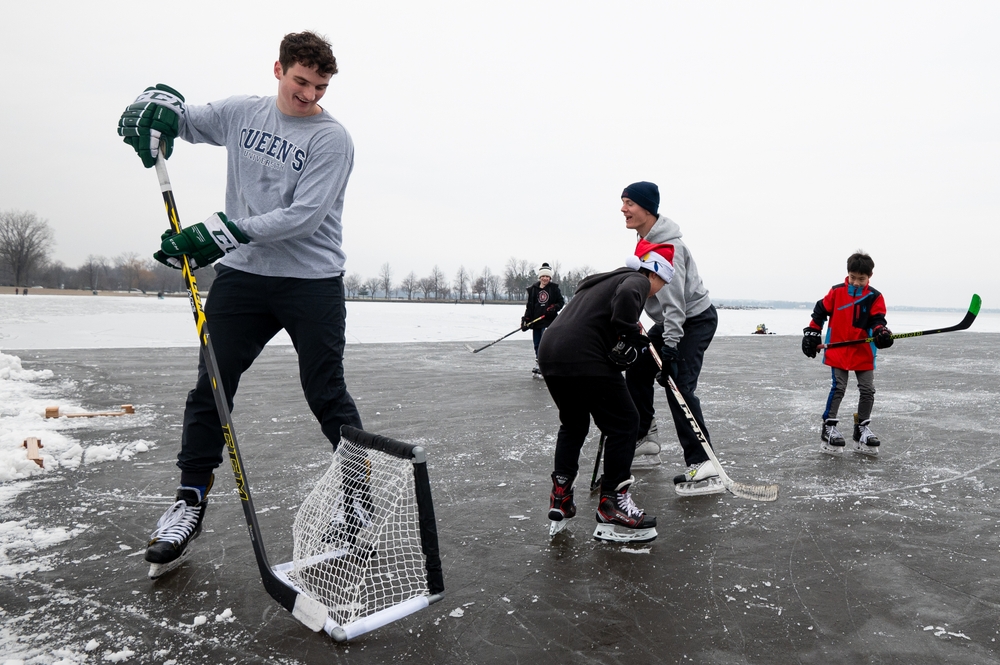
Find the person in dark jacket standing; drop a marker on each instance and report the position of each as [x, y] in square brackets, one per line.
[544, 302]
[582, 357]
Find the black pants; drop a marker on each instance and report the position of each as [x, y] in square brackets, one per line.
[641, 376]
[244, 311]
[607, 400]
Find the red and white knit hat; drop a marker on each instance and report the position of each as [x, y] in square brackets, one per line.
[655, 257]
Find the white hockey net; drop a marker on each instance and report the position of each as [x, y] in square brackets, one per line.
[357, 538]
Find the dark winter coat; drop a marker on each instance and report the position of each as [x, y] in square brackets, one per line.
[604, 307]
[851, 317]
[543, 302]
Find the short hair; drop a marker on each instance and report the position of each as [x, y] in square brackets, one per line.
[309, 50]
[860, 262]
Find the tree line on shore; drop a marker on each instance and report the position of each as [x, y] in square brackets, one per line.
[27, 241]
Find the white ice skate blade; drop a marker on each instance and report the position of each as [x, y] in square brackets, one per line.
[157, 570]
[867, 451]
[646, 461]
[836, 451]
[711, 485]
[617, 533]
[557, 527]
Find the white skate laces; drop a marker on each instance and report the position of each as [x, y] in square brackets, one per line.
[177, 524]
[627, 505]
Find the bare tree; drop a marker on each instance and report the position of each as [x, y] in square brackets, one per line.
[517, 277]
[426, 286]
[130, 269]
[410, 284]
[437, 281]
[385, 278]
[94, 268]
[352, 284]
[478, 288]
[371, 286]
[25, 244]
[493, 283]
[461, 281]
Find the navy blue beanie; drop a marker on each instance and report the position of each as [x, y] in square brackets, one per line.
[646, 194]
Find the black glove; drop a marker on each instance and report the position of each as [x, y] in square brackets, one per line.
[524, 323]
[668, 359]
[550, 313]
[810, 340]
[627, 350]
[883, 337]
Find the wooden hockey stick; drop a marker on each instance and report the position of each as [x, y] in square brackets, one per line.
[310, 612]
[742, 490]
[502, 338]
[964, 324]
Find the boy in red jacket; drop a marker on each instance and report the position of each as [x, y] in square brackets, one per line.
[856, 311]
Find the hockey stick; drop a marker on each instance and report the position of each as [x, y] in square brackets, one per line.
[964, 324]
[595, 480]
[310, 612]
[502, 338]
[742, 490]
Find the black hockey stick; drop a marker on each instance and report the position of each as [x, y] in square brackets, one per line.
[742, 490]
[964, 324]
[595, 480]
[502, 338]
[310, 612]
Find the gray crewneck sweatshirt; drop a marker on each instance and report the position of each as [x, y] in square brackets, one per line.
[285, 183]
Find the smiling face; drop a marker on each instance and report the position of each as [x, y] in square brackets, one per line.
[637, 218]
[858, 279]
[300, 89]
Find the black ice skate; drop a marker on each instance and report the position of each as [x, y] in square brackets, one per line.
[833, 440]
[350, 529]
[176, 528]
[865, 441]
[700, 479]
[561, 504]
[620, 520]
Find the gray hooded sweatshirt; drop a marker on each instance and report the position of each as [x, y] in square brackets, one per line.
[685, 296]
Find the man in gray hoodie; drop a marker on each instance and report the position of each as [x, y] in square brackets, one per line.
[685, 323]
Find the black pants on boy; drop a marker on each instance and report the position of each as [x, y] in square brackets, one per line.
[605, 398]
[641, 379]
[244, 311]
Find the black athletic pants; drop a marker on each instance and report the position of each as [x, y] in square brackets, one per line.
[641, 377]
[244, 311]
[605, 398]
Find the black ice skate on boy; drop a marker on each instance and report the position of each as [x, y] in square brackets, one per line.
[865, 441]
[176, 528]
[833, 440]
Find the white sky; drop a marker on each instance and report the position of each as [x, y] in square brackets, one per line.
[783, 136]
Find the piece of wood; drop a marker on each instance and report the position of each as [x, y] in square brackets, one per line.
[33, 444]
[53, 412]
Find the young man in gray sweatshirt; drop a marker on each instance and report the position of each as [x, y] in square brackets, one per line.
[278, 243]
[685, 323]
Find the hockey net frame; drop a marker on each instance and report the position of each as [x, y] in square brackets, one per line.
[365, 539]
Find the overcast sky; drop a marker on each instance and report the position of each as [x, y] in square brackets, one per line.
[783, 136]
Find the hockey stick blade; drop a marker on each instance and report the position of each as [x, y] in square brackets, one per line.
[742, 490]
[964, 324]
[501, 338]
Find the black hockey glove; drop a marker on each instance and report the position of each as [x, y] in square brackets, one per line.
[627, 350]
[883, 337]
[810, 341]
[550, 313]
[524, 323]
[668, 358]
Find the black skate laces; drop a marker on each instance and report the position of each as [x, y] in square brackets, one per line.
[177, 523]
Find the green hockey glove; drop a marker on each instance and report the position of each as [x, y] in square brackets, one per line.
[153, 117]
[203, 243]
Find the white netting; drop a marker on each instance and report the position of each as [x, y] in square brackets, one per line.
[357, 535]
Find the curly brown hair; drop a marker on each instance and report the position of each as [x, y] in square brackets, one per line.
[309, 50]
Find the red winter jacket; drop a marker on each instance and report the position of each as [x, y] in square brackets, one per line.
[851, 317]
